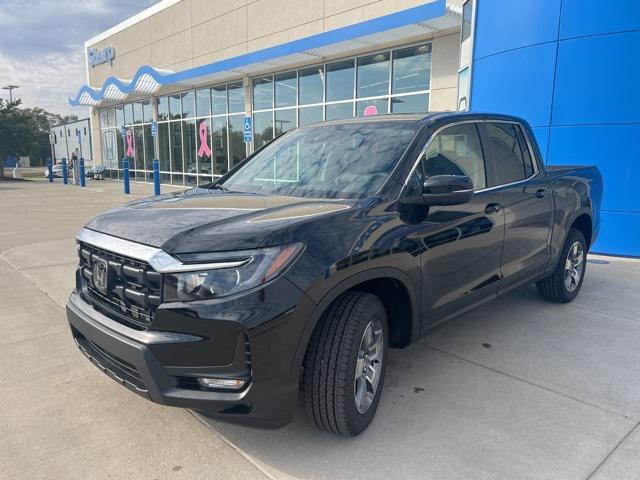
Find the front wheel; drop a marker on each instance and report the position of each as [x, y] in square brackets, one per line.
[564, 283]
[345, 364]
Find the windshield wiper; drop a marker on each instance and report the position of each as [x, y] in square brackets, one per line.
[216, 186]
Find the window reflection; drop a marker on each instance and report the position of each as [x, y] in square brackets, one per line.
[410, 103]
[286, 89]
[285, 120]
[262, 93]
[340, 80]
[411, 69]
[311, 81]
[262, 128]
[237, 149]
[373, 75]
[339, 111]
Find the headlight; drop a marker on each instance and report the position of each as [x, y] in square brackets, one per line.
[257, 267]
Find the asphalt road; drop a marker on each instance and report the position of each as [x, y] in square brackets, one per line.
[517, 389]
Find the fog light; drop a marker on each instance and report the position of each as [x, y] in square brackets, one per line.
[221, 383]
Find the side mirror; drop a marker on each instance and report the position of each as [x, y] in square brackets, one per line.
[444, 190]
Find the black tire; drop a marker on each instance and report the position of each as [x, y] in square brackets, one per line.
[554, 288]
[328, 382]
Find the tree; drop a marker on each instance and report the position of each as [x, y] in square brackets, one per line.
[25, 131]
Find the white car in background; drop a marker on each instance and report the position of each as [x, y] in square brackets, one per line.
[57, 171]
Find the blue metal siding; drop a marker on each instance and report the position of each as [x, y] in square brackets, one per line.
[597, 80]
[581, 18]
[506, 25]
[582, 103]
[524, 78]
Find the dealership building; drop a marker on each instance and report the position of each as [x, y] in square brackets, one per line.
[200, 84]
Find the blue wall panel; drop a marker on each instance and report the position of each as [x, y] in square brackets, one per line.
[619, 234]
[518, 82]
[613, 149]
[591, 17]
[542, 137]
[597, 80]
[583, 105]
[505, 25]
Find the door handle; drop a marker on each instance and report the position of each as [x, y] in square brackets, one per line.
[541, 192]
[492, 208]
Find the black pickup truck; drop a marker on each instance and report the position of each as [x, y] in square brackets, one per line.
[298, 269]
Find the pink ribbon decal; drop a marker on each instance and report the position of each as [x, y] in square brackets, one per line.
[370, 110]
[131, 151]
[204, 150]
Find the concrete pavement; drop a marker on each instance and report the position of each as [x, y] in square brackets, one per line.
[519, 388]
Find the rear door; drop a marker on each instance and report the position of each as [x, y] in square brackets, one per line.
[462, 244]
[513, 171]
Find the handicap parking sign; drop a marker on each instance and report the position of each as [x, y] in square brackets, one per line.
[248, 130]
[154, 129]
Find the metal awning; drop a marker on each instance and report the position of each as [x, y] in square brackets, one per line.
[418, 21]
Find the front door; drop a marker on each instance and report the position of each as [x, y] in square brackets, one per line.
[462, 244]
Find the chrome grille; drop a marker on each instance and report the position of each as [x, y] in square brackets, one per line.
[133, 287]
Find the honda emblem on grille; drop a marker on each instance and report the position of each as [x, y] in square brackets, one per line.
[101, 275]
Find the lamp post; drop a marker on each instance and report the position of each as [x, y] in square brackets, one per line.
[10, 88]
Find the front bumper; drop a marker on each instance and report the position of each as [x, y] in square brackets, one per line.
[137, 360]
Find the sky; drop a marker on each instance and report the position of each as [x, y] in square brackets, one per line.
[42, 46]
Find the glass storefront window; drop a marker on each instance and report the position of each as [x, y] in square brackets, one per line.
[340, 80]
[219, 145]
[235, 92]
[128, 113]
[147, 114]
[262, 128]
[411, 69]
[188, 105]
[163, 147]
[286, 89]
[410, 103]
[203, 146]
[285, 120]
[175, 109]
[203, 103]
[311, 82]
[378, 106]
[104, 123]
[148, 147]
[138, 163]
[137, 112]
[263, 93]
[111, 117]
[119, 115]
[219, 100]
[163, 108]
[237, 149]
[338, 111]
[373, 75]
[309, 115]
[189, 146]
[175, 129]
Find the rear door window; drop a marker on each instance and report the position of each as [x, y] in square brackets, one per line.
[455, 150]
[505, 153]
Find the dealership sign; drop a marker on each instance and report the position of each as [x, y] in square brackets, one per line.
[98, 57]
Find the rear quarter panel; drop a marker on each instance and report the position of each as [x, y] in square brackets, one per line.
[576, 190]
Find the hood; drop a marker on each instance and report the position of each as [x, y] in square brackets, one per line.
[200, 220]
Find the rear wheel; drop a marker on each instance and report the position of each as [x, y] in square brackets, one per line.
[345, 364]
[564, 283]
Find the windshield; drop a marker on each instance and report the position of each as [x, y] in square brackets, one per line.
[348, 160]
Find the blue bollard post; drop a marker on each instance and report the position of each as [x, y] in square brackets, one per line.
[65, 173]
[125, 176]
[156, 177]
[50, 168]
[82, 179]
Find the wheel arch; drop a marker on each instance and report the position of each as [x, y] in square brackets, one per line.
[404, 320]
